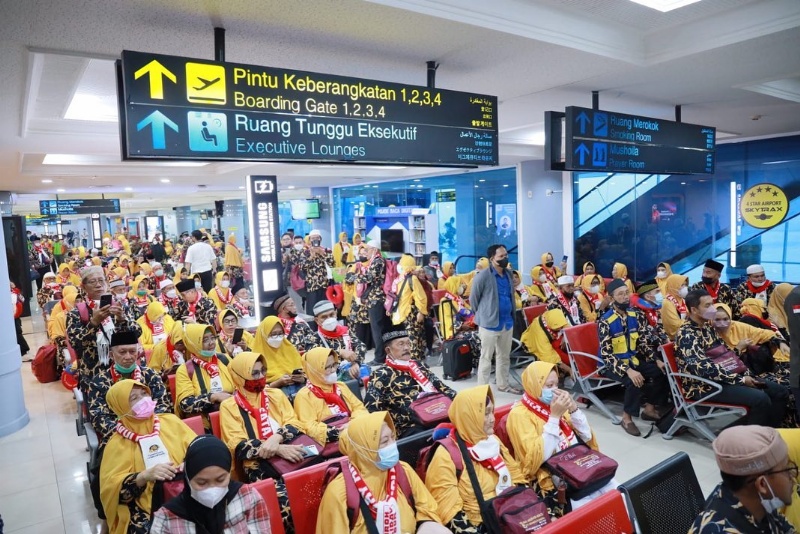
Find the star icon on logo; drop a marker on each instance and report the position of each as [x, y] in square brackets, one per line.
[767, 189]
[759, 190]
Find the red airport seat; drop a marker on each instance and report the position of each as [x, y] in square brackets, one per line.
[607, 281]
[532, 312]
[196, 424]
[214, 416]
[438, 295]
[304, 489]
[602, 515]
[266, 488]
[693, 413]
[583, 348]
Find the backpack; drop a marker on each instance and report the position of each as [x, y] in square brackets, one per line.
[84, 314]
[391, 274]
[426, 455]
[354, 502]
[501, 431]
[296, 278]
[45, 364]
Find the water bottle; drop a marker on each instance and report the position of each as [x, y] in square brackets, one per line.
[344, 367]
[364, 372]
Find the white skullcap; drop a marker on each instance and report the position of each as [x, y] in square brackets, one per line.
[564, 280]
[315, 232]
[753, 269]
[165, 283]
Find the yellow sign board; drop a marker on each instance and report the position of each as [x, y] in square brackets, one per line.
[205, 84]
[764, 205]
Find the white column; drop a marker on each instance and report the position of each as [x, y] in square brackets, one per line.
[13, 414]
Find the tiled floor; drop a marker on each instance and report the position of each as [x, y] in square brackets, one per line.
[43, 486]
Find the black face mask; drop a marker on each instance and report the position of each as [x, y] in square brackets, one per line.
[503, 263]
[362, 259]
[568, 295]
[549, 264]
[316, 243]
[706, 280]
[622, 305]
[765, 315]
[291, 314]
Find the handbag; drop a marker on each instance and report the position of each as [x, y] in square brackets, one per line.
[332, 448]
[166, 490]
[392, 300]
[726, 359]
[583, 469]
[517, 510]
[429, 409]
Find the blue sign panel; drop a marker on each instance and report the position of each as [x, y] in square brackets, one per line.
[79, 206]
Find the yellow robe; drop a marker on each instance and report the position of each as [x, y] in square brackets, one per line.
[233, 256]
[214, 296]
[414, 294]
[280, 361]
[338, 250]
[535, 338]
[670, 317]
[738, 331]
[154, 310]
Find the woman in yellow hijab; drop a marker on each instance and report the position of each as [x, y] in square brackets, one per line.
[412, 304]
[283, 359]
[588, 270]
[170, 353]
[233, 258]
[351, 255]
[228, 322]
[324, 398]
[673, 308]
[448, 270]
[341, 250]
[144, 449]
[472, 415]
[592, 298]
[182, 274]
[209, 383]
[455, 312]
[545, 421]
[271, 420]
[543, 338]
[663, 271]
[221, 295]
[146, 270]
[550, 270]
[155, 324]
[775, 308]
[65, 276]
[57, 325]
[620, 270]
[139, 296]
[369, 443]
[541, 288]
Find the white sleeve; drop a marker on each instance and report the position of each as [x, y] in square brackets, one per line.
[551, 437]
[581, 425]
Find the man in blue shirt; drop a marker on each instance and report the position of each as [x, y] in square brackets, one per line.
[492, 300]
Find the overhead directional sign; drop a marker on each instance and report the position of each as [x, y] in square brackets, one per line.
[181, 108]
[606, 141]
[78, 206]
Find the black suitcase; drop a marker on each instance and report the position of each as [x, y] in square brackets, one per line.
[457, 359]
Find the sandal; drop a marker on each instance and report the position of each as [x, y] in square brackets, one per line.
[509, 389]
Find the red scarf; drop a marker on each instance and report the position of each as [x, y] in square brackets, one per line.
[193, 305]
[416, 373]
[495, 463]
[543, 412]
[679, 306]
[333, 399]
[571, 306]
[127, 433]
[369, 498]
[713, 290]
[756, 290]
[116, 377]
[166, 301]
[460, 304]
[341, 332]
[212, 367]
[261, 415]
[244, 311]
[766, 322]
[171, 350]
[64, 279]
[224, 300]
[157, 329]
[551, 276]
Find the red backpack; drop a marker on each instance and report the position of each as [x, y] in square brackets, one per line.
[45, 364]
[501, 432]
[354, 497]
[426, 455]
[85, 314]
[391, 274]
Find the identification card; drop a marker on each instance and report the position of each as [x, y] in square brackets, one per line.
[216, 384]
[153, 451]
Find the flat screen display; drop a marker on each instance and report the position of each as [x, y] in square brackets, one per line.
[392, 241]
[304, 209]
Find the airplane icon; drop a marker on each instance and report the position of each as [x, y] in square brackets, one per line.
[206, 83]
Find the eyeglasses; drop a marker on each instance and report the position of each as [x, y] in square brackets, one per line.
[94, 281]
[792, 470]
[259, 374]
[332, 367]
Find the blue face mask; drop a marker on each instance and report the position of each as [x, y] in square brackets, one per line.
[659, 299]
[207, 353]
[125, 370]
[547, 395]
[388, 457]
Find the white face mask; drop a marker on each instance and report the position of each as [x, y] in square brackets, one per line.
[209, 497]
[330, 324]
[594, 290]
[198, 286]
[298, 247]
[172, 294]
[759, 284]
[331, 378]
[542, 278]
[683, 292]
[225, 283]
[275, 341]
[158, 272]
[661, 273]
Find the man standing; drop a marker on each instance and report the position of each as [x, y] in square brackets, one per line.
[200, 259]
[719, 292]
[58, 250]
[315, 261]
[433, 270]
[565, 300]
[755, 287]
[765, 400]
[492, 300]
[369, 279]
[792, 308]
[630, 361]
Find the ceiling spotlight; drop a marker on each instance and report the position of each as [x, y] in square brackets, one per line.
[241, 187]
[128, 189]
[165, 180]
[290, 187]
[47, 181]
[60, 190]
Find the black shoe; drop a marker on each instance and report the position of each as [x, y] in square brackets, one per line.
[375, 363]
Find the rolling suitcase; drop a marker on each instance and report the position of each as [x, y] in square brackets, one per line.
[457, 359]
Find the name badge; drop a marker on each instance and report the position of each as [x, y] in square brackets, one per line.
[216, 384]
[153, 451]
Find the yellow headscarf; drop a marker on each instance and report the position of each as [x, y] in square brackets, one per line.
[145, 269]
[447, 266]
[69, 294]
[120, 272]
[482, 263]
[81, 252]
[64, 267]
[543, 257]
[587, 282]
[97, 261]
[193, 336]
[357, 238]
[155, 310]
[233, 256]
[135, 286]
[123, 457]
[452, 284]
[752, 306]
[360, 442]
[738, 331]
[467, 412]
[622, 270]
[177, 278]
[674, 283]
[280, 361]
[241, 369]
[534, 377]
[218, 282]
[776, 312]
[536, 340]
[407, 263]
[314, 362]
[536, 272]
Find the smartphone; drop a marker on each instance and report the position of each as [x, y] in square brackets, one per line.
[105, 300]
[237, 335]
[310, 450]
[297, 372]
[564, 258]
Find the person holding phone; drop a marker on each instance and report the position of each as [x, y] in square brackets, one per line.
[91, 339]
[231, 339]
[285, 365]
[315, 261]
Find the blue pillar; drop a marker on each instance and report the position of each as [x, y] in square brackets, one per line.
[13, 415]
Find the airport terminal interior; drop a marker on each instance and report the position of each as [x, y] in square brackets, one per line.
[643, 145]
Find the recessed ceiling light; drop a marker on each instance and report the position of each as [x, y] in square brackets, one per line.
[505, 185]
[165, 180]
[241, 187]
[128, 189]
[481, 180]
[60, 190]
[664, 5]
[290, 187]
[46, 181]
[417, 180]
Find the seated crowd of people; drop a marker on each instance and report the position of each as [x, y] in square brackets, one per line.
[281, 387]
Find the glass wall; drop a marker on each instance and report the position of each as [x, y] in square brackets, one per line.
[466, 213]
[643, 219]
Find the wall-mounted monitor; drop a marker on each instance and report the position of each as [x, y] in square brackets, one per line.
[392, 241]
[303, 209]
